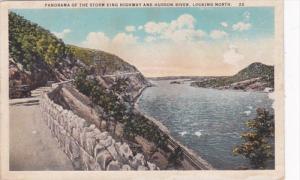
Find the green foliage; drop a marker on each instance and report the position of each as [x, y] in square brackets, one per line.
[30, 44]
[85, 55]
[81, 82]
[104, 62]
[256, 146]
[114, 105]
[108, 100]
[139, 125]
[176, 156]
[120, 85]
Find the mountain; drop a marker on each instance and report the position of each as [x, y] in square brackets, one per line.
[38, 56]
[256, 70]
[256, 76]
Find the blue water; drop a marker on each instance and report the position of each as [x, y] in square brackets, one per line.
[208, 121]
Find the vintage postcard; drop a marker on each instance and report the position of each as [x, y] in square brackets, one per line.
[142, 89]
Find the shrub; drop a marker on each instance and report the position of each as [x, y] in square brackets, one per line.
[256, 146]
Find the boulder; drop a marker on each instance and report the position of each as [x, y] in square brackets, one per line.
[160, 160]
[77, 164]
[112, 150]
[151, 166]
[80, 123]
[107, 142]
[92, 164]
[138, 160]
[142, 168]
[102, 136]
[97, 167]
[103, 125]
[147, 146]
[67, 145]
[113, 166]
[97, 131]
[98, 148]
[119, 130]
[91, 127]
[90, 144]
[124, 150]
[75, 150]
[76, 134]
[85, 160]
[126, 167]
[103, 158]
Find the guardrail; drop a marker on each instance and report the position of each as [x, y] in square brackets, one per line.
[54, 85]
[121, 74]
[187, 155]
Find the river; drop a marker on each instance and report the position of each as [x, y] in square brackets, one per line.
[209, 121]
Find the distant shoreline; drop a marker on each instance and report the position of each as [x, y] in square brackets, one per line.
[185, 79]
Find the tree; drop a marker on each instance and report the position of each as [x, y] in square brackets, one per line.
[257, 147]
[176, 156]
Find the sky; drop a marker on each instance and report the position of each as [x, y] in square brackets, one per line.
[168, 41]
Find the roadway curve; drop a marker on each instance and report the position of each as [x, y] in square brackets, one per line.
[31, 145]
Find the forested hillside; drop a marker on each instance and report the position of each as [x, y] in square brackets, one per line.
[35, 53]
[38, 56]
[30, 44]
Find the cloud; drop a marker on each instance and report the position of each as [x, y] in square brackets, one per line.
[177, 47]
[224, 24]
[99, 40]
[180, 29]
[241, 26]
[62, 34]
[232, 56]
[150, 39]
[184, 21]
[217, 34]
[96, 40]
[130, 28]
[140, 27]
[124, 39]
[164, 58]
[247, 15]
[155, 28]
[184, 35]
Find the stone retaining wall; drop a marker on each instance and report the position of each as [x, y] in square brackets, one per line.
[87, 147]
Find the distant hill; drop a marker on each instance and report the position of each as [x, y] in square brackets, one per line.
[256, 76]
[256, 70]
[38, 56]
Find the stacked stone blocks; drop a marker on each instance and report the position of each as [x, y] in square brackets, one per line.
[87, 147]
